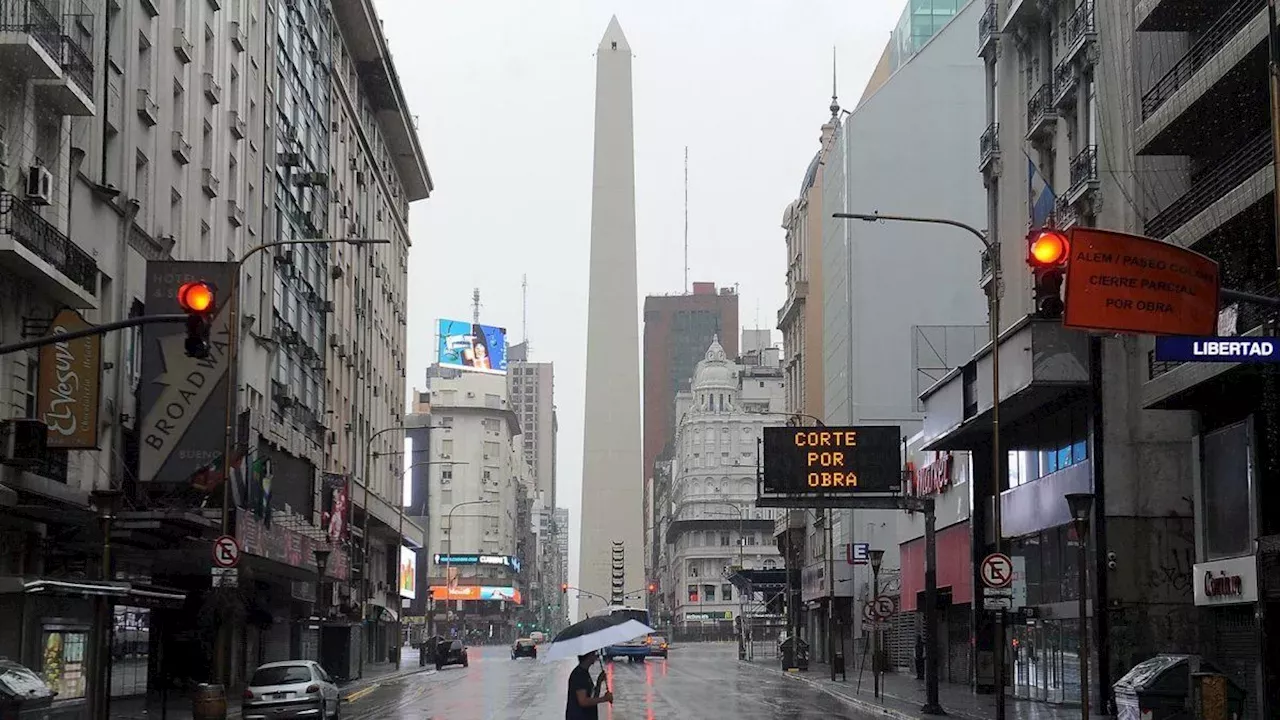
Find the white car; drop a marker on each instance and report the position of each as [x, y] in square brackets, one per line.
[291, 690]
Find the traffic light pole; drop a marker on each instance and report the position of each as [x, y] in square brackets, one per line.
[993, 303]
[90, 331]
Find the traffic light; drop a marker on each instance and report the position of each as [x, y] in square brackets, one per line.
[197, 300]
[1048, 252]
[653, 587]
[564, 587]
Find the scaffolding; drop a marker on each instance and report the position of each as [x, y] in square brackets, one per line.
[761, 621]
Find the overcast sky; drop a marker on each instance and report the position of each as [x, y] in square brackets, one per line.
[503, 91]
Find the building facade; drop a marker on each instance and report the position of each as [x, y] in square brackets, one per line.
[532, 393]
[478, 485]
[677, 330]
[712, 527]
[191, 131]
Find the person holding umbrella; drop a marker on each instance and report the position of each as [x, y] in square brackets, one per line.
[582, 703]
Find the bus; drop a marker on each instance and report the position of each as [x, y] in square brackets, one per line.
[635, 650]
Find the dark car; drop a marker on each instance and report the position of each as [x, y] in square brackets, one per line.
[524, 647]
[657, 646]
[451, 652]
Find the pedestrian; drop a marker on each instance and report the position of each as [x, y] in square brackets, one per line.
[582, 702]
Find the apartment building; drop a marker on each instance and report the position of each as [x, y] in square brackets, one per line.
[477, 487]
[1219, 201]
[531, 388]
[1058, 150]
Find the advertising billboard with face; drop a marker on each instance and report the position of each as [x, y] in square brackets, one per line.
[472, 346]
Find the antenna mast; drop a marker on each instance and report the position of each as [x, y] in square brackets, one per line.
[475, 306]
[524, 307]
[686, 219]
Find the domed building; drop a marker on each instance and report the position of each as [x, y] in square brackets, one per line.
[712, 524]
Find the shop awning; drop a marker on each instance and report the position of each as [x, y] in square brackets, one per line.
[377, 612]
[136, 593]
[955, 567]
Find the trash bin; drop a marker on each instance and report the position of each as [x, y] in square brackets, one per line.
[209, 702]
[1161, 688]
[794, 653]
[838, 668]
[23, 694]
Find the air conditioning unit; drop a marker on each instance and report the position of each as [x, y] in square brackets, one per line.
[23, 441]
[39, 185]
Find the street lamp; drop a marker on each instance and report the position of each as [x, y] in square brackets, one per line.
[448, 558]
[1081, 505]
[105, 504]
[877, 559]
[322, 561]
[992, 251]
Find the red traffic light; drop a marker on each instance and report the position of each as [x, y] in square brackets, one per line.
[196, 297]
[1048, 248]
[653, 587]
[564, 587]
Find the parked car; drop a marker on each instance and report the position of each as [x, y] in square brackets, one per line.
[657, 646]
[451, 652]
[291, 689]
[524, 647]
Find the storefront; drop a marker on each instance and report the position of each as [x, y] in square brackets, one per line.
[1226, 593]
[944, 476]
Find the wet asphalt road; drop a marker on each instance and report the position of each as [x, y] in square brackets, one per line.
[698, 681]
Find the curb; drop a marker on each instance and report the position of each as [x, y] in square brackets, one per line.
[358, 689]
[855, 703]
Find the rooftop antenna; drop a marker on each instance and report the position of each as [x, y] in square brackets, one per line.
[475, 306]
[524, 307]
[686, 219]
[835, 103]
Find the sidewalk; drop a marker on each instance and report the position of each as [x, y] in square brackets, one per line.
[903, 695]
[179, 705]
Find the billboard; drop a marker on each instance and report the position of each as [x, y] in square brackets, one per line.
[70, 385]
[475, 592]
[833, 460]
[408, 573]
[472, 346]
[509, 561]
[183, 399]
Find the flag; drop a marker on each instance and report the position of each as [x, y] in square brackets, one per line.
[208, 477]
[1040, 195]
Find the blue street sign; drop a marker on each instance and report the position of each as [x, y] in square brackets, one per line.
[1218, 349]
[858, 553]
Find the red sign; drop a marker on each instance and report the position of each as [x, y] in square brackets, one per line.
[287, 546]
[931, 479]
[1133, 284]
[1223, 585]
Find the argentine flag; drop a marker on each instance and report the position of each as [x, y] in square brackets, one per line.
[1040, 197]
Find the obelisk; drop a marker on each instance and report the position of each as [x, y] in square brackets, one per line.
[611, 553]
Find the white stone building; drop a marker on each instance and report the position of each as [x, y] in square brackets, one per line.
[712, 524]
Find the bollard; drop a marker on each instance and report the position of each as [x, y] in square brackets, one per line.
[209, 702]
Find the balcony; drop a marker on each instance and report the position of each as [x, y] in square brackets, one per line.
[1229, 24]
[181, 148]
[71, 94]
[988, 30]
[1225, 175]
[1065, 82]
[1065, 215]
[182, 46]
[32, 247]
[1080, 31]
[30, 38]
[1041, 115]
[238, 126]
[148, 109]
[212, 90]
[1084, 174]
[210, 183]
[989, 147]
[239, 40]
[795, 301]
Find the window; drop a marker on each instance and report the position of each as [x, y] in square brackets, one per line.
[64, 660]
[726, 592]
[1226, 491]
